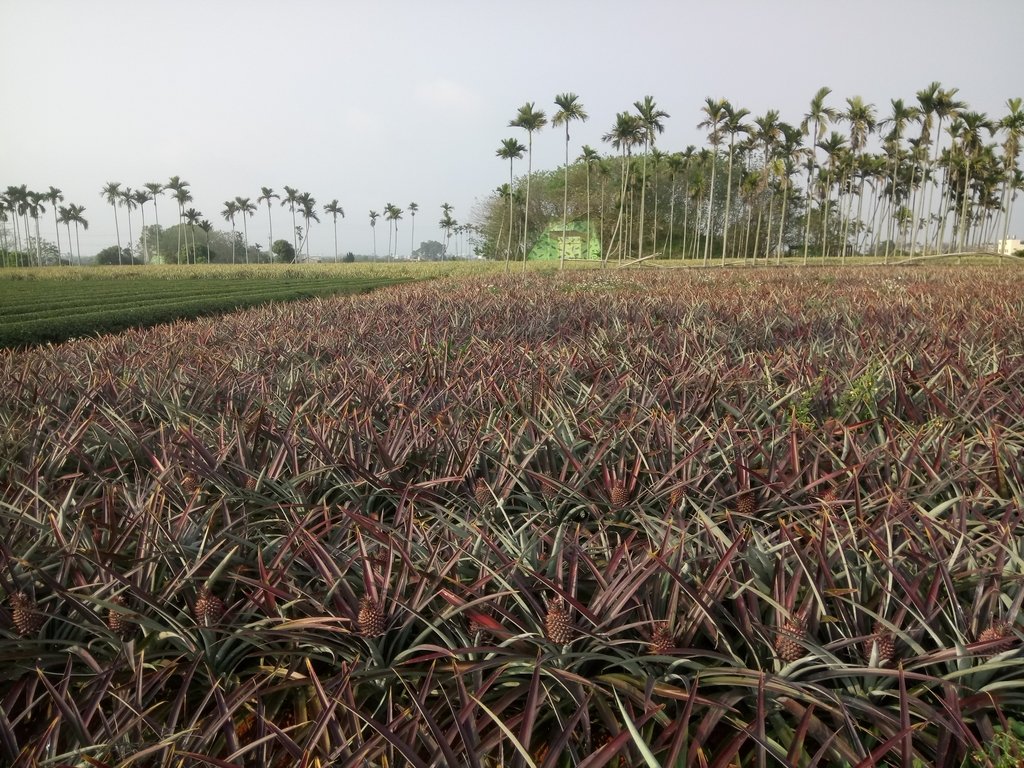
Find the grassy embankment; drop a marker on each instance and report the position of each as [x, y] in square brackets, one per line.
[53, 305]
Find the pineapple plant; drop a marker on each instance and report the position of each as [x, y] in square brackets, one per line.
[25, 614]
[558, 623]
[371, 618]
[789, 639]
[209, 609]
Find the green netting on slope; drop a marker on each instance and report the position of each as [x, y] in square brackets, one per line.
[549, 246]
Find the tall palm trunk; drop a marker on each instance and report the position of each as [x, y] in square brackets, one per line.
[686, 210]
[156, 216]
[827, 195]
[963, 227]
[940, 227]
[511, 214]
[529, 175]
[56, 226]
[131, 236]
[145, 235]
[671, 213]
[711, 204]
[270, 223]
[71, 254]
[728, 198]
[588, 211]
[117, 232]
[654, 221]
[643, 201]
[565, 198]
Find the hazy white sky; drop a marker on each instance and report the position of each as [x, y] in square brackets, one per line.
[377, 102]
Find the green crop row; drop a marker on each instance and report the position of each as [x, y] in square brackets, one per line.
[26, 301]
[65, 314]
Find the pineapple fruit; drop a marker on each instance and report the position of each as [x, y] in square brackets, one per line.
[881, 640]
[26, 617]
[482, 492]
[371, 618]
[619, 494]
[998, 633]
[558, 623]
[209, 609]
[117, 618]
[789, 640]
[662, 640]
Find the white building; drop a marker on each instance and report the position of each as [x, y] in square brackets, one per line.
[1009, 247]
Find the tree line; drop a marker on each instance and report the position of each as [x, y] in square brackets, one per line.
[931, 176]
[21, 211]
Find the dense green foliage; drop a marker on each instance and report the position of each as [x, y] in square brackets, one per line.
[113, 256]
[843, 179]
[284, 252]
[681, 518]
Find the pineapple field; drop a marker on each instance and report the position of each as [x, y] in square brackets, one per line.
[652, 517]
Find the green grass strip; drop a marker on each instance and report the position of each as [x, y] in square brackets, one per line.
[59, 321]
[42, 303]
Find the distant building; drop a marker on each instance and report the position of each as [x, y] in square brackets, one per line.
[1009, 247]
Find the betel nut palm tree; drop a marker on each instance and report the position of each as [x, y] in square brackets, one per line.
[247, 208]
[589, 156]
[266, 195]
[179, 191]
[128, 201]
[229, 212]
[651, 121]
[412, 208]
[569, 109]
[624, 135]
[207, 227]
[335, 210]
[192, 219]
[447, 223]
[291, 199]
[530, 120]
[55, 196]
[111, 193]
[393, 214]
[308, 205]
[733, 125]
[373, 228]
[715, 114]
[141, 197]
[819, 116]
[155, 188]
[511, 150]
